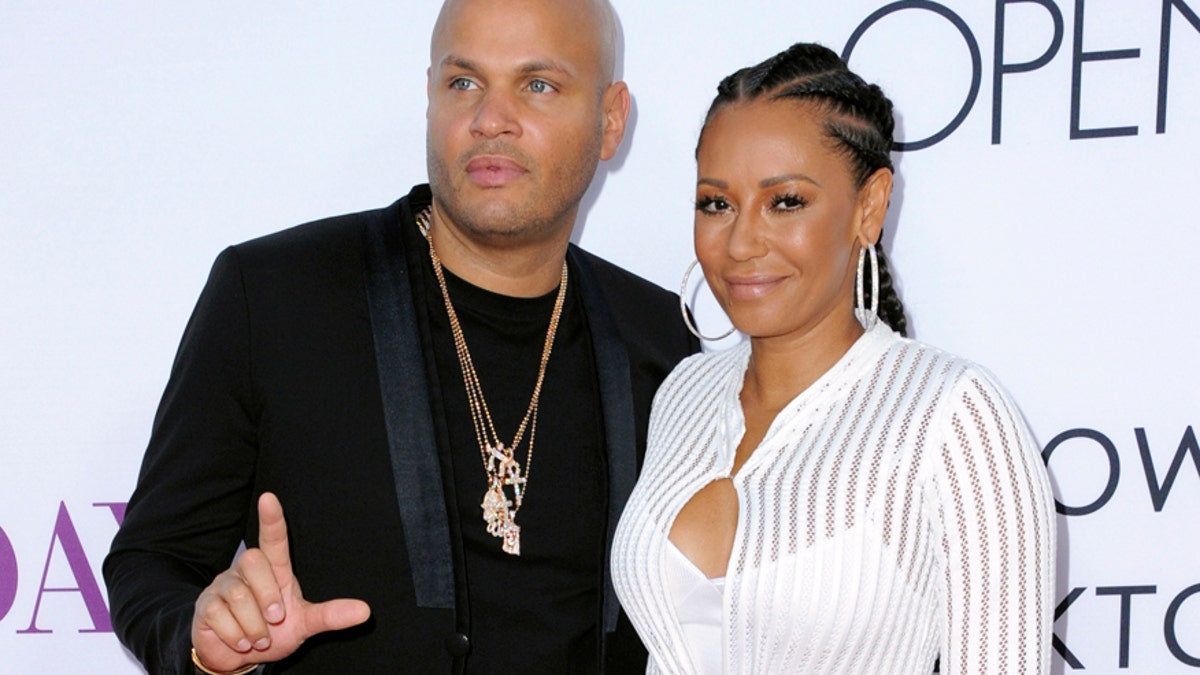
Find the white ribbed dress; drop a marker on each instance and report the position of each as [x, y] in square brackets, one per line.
[896, 510]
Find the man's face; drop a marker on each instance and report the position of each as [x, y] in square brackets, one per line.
[519, 115]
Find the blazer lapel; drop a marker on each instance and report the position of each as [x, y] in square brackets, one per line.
[405, 390]
[616, 402]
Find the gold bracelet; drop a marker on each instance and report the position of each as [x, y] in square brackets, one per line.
[202, 667]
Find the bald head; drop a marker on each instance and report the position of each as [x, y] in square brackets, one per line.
[522, 108]
[605, 22]
[594, 20]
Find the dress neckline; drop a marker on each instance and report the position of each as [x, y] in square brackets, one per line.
[694, 572]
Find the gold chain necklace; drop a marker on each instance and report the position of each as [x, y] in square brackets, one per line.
[499, 461]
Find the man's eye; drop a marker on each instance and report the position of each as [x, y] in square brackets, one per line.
[461, 84]
[540, 87]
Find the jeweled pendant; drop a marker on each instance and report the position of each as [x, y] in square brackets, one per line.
[501, 463]
[495, 509]
[512, 538]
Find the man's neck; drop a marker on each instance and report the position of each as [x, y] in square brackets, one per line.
[518, 269]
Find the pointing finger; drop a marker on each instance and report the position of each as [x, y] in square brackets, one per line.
[272, 530]
[273, 542]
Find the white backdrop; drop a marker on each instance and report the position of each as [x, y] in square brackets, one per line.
[137, 139]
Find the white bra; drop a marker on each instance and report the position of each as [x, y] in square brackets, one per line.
[698, 603]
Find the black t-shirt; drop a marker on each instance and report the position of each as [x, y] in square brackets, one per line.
[538, 612]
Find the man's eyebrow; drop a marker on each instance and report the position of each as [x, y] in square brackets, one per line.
[546, 66]
[458, 62]
[539, 66]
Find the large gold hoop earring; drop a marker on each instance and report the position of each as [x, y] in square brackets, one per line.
[687, 315]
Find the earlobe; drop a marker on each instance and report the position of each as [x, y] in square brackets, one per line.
[615, 106]
[876, 194]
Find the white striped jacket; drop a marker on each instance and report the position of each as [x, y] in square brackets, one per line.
[896, 510]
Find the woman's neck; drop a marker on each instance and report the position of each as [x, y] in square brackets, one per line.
[781, 368]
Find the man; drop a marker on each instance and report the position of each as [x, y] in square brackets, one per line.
[349, 393]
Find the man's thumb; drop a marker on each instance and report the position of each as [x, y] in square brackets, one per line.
[335, 615]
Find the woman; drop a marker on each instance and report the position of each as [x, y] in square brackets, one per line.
[830, 497]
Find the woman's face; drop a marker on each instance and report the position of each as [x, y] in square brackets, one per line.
[779, 220]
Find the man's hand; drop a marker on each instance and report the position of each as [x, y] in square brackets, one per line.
[254, 612]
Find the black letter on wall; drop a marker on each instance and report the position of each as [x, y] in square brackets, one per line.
[1158, 493]
[1059, 645]
[1077, 61]
[1000, 68]
[1164, 52]
[1126, 592]
[972, 45]
[1169, 627]
[1114, 469]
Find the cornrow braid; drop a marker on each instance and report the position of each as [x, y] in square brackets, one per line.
[858, 117]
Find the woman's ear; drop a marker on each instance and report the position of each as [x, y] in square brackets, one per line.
[874, 197]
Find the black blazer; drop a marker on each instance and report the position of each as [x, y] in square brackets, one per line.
[301, 372]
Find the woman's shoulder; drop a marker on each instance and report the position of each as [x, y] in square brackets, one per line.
[704, 373]
[937, 365]
[955, 387]
[712, 365]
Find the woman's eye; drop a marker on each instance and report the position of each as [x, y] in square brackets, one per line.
[540, 87]
[788, 203]
[712, 205]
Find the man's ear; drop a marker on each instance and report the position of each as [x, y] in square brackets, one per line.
[615, 108]
[428, 89]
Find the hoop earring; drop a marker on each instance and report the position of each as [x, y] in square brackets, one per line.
[687, 316]
[867, 319]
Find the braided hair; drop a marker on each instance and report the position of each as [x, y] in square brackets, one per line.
[858, 118]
